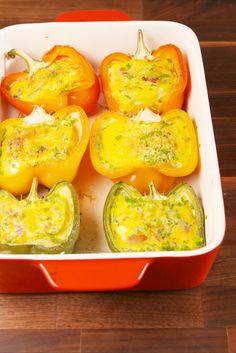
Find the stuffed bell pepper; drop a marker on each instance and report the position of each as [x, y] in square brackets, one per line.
[120, 145]
[63, 77]
[49, 147]
[40, 225]
[155, 80]
[153, 222]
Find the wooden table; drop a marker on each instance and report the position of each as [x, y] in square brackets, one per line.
[198, 320]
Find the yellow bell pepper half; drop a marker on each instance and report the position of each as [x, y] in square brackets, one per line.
[120, 145]
[49, 147]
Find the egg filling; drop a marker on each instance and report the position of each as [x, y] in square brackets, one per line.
[145, 224]
[121, 143]
[43, 222]
[143, 83]
[62, 75]
[24, 145]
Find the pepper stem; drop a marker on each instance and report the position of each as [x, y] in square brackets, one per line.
[33, 195]
[32, 65]
[154, 194]
[142, 51]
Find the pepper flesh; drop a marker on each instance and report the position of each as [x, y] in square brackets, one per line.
[34, 225]
[63, 77]
[153, 222]
[156, 80]
[140, 180]
[49, 147]
[120, 145]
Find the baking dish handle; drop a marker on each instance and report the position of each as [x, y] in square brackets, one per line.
[93, 15]
[93, 275]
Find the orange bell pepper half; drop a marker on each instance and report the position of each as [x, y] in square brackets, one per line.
[63, 77]
[120, 145]
[49, 147]
[155, 80]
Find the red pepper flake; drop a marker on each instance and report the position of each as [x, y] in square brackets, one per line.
[42, 149]
[19, 229]
[150, 79]
[19, 141]
[124, 72]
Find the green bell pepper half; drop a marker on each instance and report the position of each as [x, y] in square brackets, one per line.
[40, 225]
[153, 222]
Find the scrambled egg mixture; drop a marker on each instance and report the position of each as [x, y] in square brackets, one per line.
[143, 224]
[142, 83]
[62, 75]
[43, 222]
[122, 143]
[29, 145]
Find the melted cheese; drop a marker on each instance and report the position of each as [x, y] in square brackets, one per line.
[62, 75]
[144, 224]
[24, 145]
[122, 143]
[42, 222]
[142, 83]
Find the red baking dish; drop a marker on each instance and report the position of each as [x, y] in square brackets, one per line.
[93, 267]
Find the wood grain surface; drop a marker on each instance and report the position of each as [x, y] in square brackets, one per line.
[198, 320]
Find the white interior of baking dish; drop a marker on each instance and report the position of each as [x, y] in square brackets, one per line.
[96, 40]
